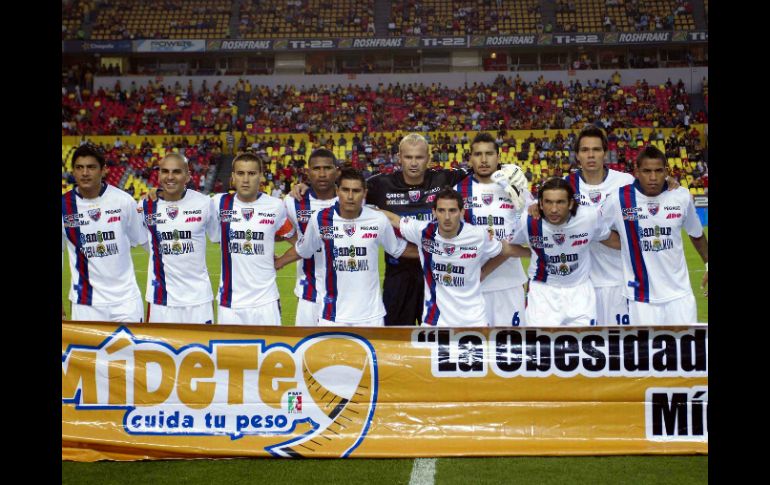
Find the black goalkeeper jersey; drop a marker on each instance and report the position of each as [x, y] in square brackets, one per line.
[391, 192]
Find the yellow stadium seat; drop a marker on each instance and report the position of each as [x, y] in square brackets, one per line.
[693, 191]
[700, 191]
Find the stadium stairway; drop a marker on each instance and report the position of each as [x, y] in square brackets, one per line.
[548, 12]
[224, 169]
[699, 15]
[381, 17]
[234, 18]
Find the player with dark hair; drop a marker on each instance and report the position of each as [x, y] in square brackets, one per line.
[349, 235]
[99, 225]
[650, 220]
[452, 254]
[560, 292]
[248, 224]
[322, 171]
[489, 205]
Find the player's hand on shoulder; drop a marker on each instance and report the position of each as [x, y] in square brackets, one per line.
[152, 194]
[298, 190]
[512, 179]
[534, 211]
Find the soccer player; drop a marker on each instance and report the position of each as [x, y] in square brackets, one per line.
[322, 172]
[178, 283]
[248, 223]
[650, 220]
[350, 235]
[452, 254]
[489, 205]
[407, 192]
[560, 292]
[100, 224]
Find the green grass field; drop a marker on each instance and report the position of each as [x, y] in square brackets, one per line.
[614, 470]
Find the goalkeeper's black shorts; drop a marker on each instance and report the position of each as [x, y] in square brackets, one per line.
[403, 296]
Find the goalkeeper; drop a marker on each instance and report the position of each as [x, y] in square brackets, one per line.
[494, 199]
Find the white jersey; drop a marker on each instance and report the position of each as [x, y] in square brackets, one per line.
[452, 271]
[489, 206]
[650, 231]
[606, 267]
[176, 232]
[99, 234]
[351, 261]
[561, 255]
[246, 233]
[310, 283]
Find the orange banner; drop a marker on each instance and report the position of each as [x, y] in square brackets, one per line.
[150, 391]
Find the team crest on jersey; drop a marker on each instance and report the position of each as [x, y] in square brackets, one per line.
[172, 211]
[559, 238]
[350, 229]
[414, 195]
[653, 207]
[95, 214]
[595, 196]
[449, 249]
[487, 198]
[248, 213]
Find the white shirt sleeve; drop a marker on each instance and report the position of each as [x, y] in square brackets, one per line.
[601, 230]
[134, 225]
[392, 244]
[607, 210]
[691, 221]
[214, 231]
[308, 243]
[520, 230]
[489, 248]
[411, 230]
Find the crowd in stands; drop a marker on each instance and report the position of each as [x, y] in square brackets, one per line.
[459, 17]
[305, 18]
[623, 15]
[164, 19]
[507, 103]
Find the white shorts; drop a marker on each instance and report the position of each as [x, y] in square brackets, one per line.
[203, 313]
[372, 322]
[553, 306]
[680, 311]
[308, 313]
[611, 306]
[505, 308]
[125, 311]
[267, 314]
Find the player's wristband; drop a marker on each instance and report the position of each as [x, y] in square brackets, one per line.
[707, 267]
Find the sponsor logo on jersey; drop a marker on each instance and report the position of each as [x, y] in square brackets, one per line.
[117, 211]
[394, 195]
[595, 196]
[631, 213]
[369, 235]
[673, 208]
[349, 229]
[192, 212]
[113, 219]
[172, 212]
[506, 205]
[247, 212]
[430, 198]
[95, 214]
[559, 238]
[469, 248]
[194, 219]
[304, 215]
[468, 256]
[653, 207]
[578, 236]
[152, 219]
[414, 195]
[673, 216]
[487, 198]
[267, 221]
[327, 232]
[580, 242]
[449, 249]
